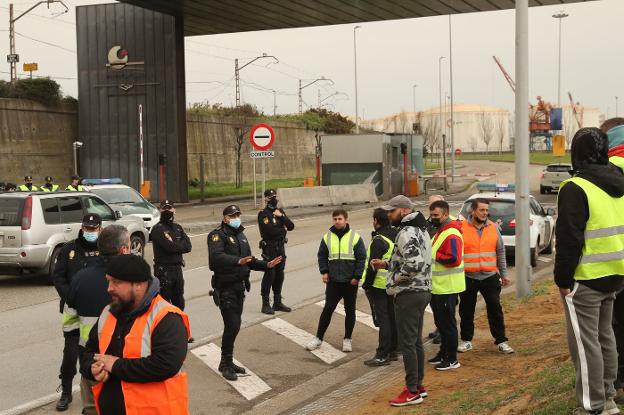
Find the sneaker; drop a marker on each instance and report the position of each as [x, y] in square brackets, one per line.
[435, 360]
[464, 346]
[377, 361]
[314, 344]
[437, 339]
[406, 398]
[611, 407]
[444, 365]
[347, 345]
[393, 356]
[422, 391]
[504, 348]
[583, 411]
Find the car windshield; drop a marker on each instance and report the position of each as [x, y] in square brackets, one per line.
[498, 209]
[114, 196]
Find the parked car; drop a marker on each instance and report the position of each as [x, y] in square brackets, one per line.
[126, 200]
[35, 225]
[553, 175]
[503, 213]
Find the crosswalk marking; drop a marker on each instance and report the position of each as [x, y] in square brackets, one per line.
[363, 318]
[250, 386]
[327, 353]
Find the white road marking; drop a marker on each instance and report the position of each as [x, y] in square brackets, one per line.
[428, 309]
[36, 403]
[250, 386]
[544, 259]
[363, 318]
[327, 353]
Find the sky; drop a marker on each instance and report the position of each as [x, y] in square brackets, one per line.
[392, 56]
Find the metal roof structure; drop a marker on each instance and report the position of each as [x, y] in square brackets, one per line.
[210, 17]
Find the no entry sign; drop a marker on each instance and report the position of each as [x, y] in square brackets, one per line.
[262, 137]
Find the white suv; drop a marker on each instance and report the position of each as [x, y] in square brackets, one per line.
[553, 175]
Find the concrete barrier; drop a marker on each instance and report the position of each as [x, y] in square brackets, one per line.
[352, 194]
[327, 195]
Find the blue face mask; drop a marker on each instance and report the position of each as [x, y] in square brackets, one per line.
[90, 236]
[235, 223]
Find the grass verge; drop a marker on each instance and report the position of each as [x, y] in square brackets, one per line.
[534, 158]
[230, 189]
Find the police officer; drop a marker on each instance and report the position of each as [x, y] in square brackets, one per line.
[49, 185]
[170, 242]
[74, 256]
[10, 187]
[273, 224]
[231, 262]
[75, 185]
[28, 186]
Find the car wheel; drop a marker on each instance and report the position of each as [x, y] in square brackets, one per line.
[549, 248]
[50, 271]
[534, 254]
[137, 245]
[542, 190]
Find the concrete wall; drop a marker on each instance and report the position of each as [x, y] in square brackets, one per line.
[36, 140]
[214, 138]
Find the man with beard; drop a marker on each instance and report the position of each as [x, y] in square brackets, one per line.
[136, 350]
[88, 296]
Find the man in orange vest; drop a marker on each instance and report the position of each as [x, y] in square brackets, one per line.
[486, 271]
[137, 347]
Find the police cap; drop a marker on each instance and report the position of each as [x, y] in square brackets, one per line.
[231, 210]
[28, 178]
[167, 204]
[92, 220]
[269, 193]
[48, 178]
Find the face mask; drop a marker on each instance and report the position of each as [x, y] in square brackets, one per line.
[166, 216]
[90, 236]
[435, 222]
[272, 203]
[235, 223]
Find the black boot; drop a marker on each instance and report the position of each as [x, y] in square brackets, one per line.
[226, 367]
[266, 306]
[279, 306]
[66, 397]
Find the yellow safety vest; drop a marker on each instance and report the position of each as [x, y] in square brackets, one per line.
[446, 280]
[603, 252]
[380, 276]
[71, 188]
[25, 188]
[341, 249]
[54, 188]
[618, 161]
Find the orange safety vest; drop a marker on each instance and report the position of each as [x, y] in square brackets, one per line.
[479, 251]
[169, 397]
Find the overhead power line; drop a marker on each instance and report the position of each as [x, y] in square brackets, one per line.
[54, 45]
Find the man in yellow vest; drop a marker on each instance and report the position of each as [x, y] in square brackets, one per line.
[614, 128]
[49, 185]
[28, 185]
[75, 185]
[447, 280]
[374, 284]
[589, 267]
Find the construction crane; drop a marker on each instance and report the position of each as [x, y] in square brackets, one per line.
[578, 116]
[509, 79]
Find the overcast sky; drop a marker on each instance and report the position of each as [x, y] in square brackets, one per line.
[392, 56]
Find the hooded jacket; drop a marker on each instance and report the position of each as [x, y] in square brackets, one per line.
[378, 248]
[410, 266]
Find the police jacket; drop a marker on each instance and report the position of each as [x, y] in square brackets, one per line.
[74, 256]
[168, 252]
[226, 246]
[273, 231]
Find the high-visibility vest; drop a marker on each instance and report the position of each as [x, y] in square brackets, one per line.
[54, 188]
[446, 280]
[71, 188]
[618, 161]
[341, 248]
[169, 397]
[71, 320]
[479, 251]
[380, 276]
[603, 252]
[25, 188]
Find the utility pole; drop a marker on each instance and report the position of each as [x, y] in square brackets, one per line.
[237, 70]
[414, 96]
[440, 110]
[274, 102]
[560, 15]
[322, 78]
[451, 86]
[357, 120]
[616, 106]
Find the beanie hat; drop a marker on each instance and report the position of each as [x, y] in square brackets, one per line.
[131, 268]
[589, 146]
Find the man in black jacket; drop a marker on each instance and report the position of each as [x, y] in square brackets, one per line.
[588, 266]
[170, 242]
[74, 256]
[230, 260]
[273, 224]
[374, 284]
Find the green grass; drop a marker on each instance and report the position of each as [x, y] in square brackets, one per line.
[229, 189]
[534, 158]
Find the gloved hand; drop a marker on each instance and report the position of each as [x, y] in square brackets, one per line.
[247, 285]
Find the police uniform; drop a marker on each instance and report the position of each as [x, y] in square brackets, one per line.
[28, 186]
[75, 188]
[273, 232]
[226, 247]
[49, 185]
[170, 242]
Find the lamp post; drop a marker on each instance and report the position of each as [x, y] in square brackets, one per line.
[414, 96]
[560, 15]
[451, 86]
[616, 105]
[301, 88]
[440, 114]
[357, 121]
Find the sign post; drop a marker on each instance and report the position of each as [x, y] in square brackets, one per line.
[262, 138]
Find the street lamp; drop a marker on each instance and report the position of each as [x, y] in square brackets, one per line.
[357, 121]
[616, 106]
[440, 102]
[322, 78]
[237, 70]
[414, 93]
[560, 15]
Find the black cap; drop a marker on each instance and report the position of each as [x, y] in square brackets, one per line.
[74, 177]
[270, 193]
[27, 178]
[131, 268]
[92, 220]
[231, 210]
[166, 204]
[48, 178]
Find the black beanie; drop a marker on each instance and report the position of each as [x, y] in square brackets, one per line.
[589, 146]
[131, 268]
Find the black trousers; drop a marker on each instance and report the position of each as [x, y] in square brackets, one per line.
[273, 278]
[618, 328]
[70, 356]
[231, 306]
[334, 292]
[382, 306]
[490, 289]
[171, 284]
[444, 307]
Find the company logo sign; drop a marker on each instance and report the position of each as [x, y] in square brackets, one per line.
[118, 59]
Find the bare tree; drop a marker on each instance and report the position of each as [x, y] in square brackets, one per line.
[472, 142]
[431, 130]
[240, 131]
[487, 130]
[500, 131]
[403, 122]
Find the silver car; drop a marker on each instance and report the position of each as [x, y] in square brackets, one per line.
[553, 175]
[35, 225]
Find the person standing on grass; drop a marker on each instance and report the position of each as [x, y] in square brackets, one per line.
[589, 269]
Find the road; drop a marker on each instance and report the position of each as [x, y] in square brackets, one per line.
[31, 348]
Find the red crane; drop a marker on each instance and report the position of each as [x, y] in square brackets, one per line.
[509, 79]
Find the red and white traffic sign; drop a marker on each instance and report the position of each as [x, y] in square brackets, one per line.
[262, 137]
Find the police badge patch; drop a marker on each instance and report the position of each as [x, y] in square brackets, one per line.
[71, 254]
[215, 238]
[266, 221]
[232, 240]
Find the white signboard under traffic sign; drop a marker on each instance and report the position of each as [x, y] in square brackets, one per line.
[262, 154]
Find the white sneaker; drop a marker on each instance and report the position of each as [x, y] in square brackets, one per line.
[464, 346]
[314, 344]
[505, 348]
[347, 345]
[611, 407]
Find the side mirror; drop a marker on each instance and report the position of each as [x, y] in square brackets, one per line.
[118, 214]
[550, 212]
